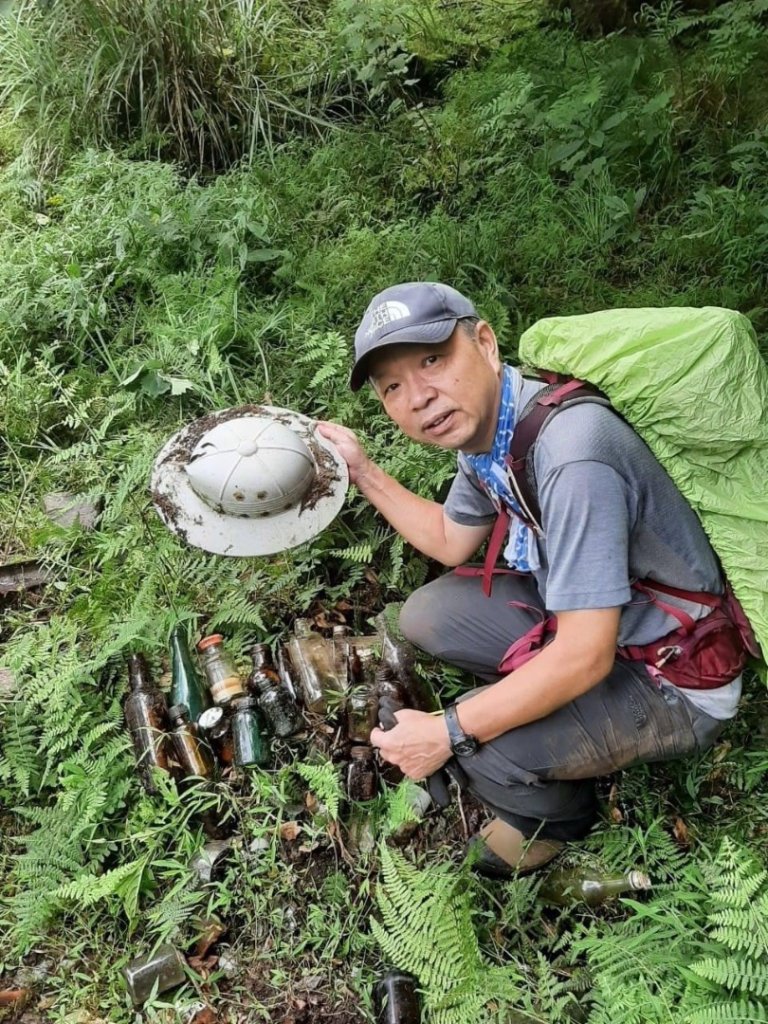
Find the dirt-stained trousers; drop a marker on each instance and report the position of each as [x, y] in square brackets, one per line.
[540, 777]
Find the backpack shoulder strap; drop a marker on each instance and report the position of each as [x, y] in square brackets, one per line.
[560, 393]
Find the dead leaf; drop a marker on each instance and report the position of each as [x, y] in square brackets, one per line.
[680, 832]
[204, 1016]
[210, 930]
[290, 830]
[204, 966]
[14, 996]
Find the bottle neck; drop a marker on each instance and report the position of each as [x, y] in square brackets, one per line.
[138, 673]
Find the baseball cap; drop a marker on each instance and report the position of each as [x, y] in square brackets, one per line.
[417, 312]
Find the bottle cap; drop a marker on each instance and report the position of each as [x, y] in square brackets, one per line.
[178, 711]
[210, 718]
[261, 648]
[639, 880]
[209, 641]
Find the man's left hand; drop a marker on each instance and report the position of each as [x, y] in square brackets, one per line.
[418, 744]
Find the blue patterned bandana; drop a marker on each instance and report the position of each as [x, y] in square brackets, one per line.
[522, 551]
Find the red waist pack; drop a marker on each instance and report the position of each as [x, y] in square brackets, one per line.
[701, 654]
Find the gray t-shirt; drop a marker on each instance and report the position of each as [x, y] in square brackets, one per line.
[610, 515]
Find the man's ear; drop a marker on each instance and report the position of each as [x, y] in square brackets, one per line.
[486, 339]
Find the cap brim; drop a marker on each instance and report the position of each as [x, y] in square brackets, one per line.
[186, 514]
[418, 334]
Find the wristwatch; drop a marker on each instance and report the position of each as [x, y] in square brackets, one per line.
[461, 744]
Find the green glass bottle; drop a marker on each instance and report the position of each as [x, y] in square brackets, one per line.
[186, 685]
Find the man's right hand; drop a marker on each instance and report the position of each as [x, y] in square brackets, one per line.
[349, 447]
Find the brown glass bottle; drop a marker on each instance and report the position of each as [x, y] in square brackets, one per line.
[566, 887]
[216, 727]
[146, 717]
[187, 687]
[224, 682]
[193, 753]
[399, 655]
[280, 709]
[362, 776]
[396, 999]
[249, 741]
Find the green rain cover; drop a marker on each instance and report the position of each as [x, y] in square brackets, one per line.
[695, 387]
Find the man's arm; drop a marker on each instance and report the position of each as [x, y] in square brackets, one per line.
[421, 522]
[580, 656]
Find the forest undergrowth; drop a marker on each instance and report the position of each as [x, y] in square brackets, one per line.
[196, 202]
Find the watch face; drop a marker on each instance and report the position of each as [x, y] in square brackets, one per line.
[466, 746]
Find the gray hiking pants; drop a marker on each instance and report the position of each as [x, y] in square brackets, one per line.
[540, 777]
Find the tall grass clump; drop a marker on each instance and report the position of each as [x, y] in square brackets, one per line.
[203, 82]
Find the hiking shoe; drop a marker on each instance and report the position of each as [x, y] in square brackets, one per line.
[501, 851]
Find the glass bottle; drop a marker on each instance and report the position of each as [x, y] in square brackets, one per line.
[248, 740]
[187, 687]
[399, 655]
[215, 725]
[312, 658]
[224, 681]
[362, 777]
[568, 886]
[193, 754]
[164, 968]
[362, 708]
[396, 999]
[280, 710]
[286, 671]
[339, 641]
[145, 715]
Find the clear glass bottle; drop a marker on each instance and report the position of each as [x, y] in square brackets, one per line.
[249, 742]
[280, 709]
[146, 717]
[193, 753]
[312, 659]
[396, 999]
[568, 886]
[187, 687]
[287, 672]
[224, 682]
[362, 776]
[164, 968]
[339, 641]
[216, 727]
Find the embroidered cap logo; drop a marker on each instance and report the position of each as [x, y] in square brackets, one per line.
[385, 314]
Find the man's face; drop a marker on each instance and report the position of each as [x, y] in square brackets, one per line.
[445, 394]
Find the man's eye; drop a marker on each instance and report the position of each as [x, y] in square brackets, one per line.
[390, 388]
[431, 360]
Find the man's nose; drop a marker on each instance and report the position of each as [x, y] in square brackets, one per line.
[421, 393]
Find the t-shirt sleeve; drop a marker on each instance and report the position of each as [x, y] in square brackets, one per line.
[587, 509]
[466, 503]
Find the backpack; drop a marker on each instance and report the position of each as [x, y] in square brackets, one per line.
[693, 385]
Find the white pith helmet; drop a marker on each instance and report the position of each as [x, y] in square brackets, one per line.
[249, 481]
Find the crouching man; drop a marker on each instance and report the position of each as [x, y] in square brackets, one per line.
[564, 636]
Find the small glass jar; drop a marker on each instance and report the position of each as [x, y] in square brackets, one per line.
[362, 708]
[280, 709]
[224, 682]
[249, 743]
[163, 968]
[396, 999]
[362, 777]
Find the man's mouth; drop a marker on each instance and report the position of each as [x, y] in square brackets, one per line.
[439, 424]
